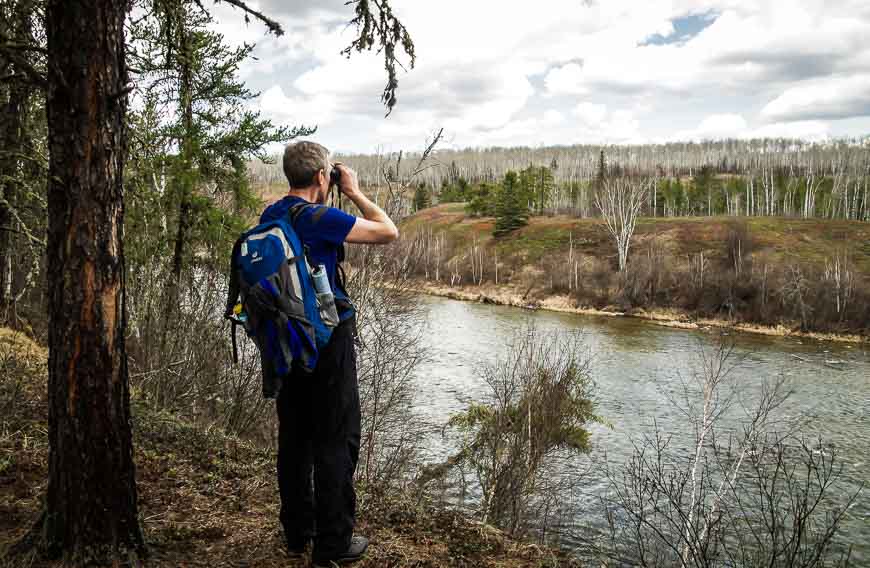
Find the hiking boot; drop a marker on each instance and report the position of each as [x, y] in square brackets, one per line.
[356, 550]
[297, 551]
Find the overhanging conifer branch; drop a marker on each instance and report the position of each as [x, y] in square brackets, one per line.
[274, 27]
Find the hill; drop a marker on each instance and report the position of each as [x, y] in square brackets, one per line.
[782, 239]
[206, 499]
[752, 270]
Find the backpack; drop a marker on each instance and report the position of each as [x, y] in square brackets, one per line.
[272, 295]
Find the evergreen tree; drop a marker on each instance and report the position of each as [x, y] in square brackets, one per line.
[422, 197]
[483, 200]
[22, 157]
[601, 174]
[190, 77]
[537, 184]
[512, 211]
[702, 186]
[680, 198]
[91, 512]
[456, 190]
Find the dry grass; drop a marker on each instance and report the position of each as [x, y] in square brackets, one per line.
[211, 500]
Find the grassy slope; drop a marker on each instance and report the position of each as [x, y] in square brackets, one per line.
[778, 239]
[211, 500]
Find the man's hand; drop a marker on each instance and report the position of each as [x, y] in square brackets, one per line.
[374, 226]
[348, 184]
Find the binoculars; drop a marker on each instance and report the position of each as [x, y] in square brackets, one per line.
[334, 176]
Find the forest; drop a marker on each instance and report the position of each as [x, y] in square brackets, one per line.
[131, 159]
[758, 177]
[769, 233]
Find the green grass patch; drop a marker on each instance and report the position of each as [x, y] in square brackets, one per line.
[779, 239]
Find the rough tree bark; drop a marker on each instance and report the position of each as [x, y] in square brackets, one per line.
[91, 505]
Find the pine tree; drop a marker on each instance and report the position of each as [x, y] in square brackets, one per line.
[456, 190]
[512, 211]
[483, 200]
[194, 75]
[537, 183]
[22, 66]
[601, 174]
[422, 197]
[91, 514]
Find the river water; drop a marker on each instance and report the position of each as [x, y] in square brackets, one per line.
[637, 367]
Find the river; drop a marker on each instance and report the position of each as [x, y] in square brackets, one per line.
[635, 364]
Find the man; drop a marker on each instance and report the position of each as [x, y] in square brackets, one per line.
[318, 413]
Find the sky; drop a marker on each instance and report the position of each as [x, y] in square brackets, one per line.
[548, 72]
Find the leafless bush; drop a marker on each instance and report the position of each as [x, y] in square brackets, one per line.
[645, 283]
[739, 246]
[390, 321]
[839, 277]
[795, 294]
[185, 364]
[744, 497]
[539, 407]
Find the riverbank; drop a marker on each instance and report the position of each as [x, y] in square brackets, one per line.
[506, 295]
[208, 499]
[764, 275]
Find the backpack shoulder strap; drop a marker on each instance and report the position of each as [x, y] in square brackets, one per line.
[297, 209]
[234, 288]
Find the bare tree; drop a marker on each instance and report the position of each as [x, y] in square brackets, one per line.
[389, 347]
[747, 496]
[620, 201]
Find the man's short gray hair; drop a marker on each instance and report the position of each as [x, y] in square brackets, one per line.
[302, 161]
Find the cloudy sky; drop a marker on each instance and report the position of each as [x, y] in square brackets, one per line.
[533, 72]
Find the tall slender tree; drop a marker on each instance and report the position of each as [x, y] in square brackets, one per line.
[190, 73]
[91, 512]
[22, 69]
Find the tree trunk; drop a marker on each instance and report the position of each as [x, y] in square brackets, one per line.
[12, 116]
[186, 173]
[11, 145]
[91, 507]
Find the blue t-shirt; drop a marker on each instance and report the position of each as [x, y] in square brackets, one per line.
[322, 229]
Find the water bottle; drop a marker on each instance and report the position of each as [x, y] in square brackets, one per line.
[325, 299]
[321, 280]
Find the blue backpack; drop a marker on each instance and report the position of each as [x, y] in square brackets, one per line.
[272, 295]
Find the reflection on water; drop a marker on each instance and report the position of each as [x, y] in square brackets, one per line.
[637, 366]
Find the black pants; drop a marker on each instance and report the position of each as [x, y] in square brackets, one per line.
[319, 432]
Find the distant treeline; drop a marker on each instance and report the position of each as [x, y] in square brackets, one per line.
[731, 177]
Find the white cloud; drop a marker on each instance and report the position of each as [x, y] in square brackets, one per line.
[566, 80]
[715, 127]
[540, 72]
[590, 114]
[297, 110]
[829, 97]
[722, 126]
[813, 130]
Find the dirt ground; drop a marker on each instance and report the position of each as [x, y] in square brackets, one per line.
[209, 500]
